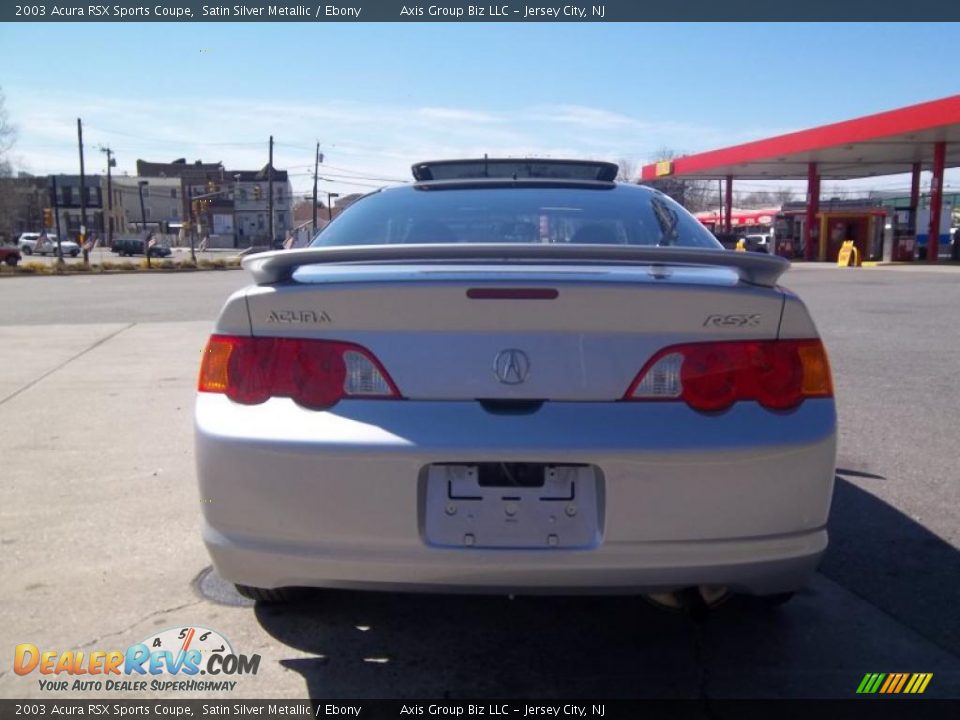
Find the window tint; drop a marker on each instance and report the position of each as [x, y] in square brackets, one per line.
[618, 215]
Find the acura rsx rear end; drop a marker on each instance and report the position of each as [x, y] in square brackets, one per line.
[535, 382]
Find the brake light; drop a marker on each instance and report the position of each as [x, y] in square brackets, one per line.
[313, 373]
[778, 374]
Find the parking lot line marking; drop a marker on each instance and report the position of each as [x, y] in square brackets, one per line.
[66, 362]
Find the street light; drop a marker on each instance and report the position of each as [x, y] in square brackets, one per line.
[330, 197]
[141, 184]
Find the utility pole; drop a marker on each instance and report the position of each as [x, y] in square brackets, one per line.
[193, 227]
[110, 163]
[270, 192]
[83, 198]
[316, 169]
[55, 202]
[720, 202]
[143, 221]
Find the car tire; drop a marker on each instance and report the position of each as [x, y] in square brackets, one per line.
[26, 250]
[271, 596]
[74, 253]
[11, 260]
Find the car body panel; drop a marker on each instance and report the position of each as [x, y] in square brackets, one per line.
[676, 483]
[586, 344]
[339, 497]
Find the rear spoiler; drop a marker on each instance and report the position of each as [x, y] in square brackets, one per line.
[279, 265]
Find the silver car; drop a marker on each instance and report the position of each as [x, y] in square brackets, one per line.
[516, 377]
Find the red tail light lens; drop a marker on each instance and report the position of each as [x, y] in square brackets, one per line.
[314, 373]
[778, 374]
[708, 376]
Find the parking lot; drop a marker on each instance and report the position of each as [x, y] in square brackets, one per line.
[100, 546]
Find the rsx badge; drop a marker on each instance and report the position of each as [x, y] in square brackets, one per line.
[303, 317]
[732, 320]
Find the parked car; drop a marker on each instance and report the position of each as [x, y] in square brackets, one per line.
[516, 377]
[9, 254]
[758, 242]
[28, 242]
[135, 246]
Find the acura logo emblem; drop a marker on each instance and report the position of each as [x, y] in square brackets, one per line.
[511, 366]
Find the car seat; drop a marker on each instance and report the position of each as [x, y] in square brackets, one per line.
[430, 231]
[594, 234]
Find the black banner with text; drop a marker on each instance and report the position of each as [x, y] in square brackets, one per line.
[918, 708]
[474, 11]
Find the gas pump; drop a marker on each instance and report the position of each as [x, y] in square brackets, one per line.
[903, 241]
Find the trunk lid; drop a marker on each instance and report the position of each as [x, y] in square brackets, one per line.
[550, 332]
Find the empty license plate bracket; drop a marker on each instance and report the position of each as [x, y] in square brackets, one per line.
[519, 505]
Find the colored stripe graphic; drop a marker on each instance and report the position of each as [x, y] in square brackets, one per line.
[891, 680]
[894, 683]
[918, 683]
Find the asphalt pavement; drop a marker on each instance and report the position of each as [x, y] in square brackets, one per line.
[100, 547]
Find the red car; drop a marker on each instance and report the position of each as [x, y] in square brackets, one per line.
[9, 254]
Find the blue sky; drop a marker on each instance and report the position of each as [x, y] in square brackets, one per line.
[381, 96]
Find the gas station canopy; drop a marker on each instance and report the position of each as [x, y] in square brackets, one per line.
[883, 144]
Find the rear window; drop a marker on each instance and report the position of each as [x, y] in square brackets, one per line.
[606, 215]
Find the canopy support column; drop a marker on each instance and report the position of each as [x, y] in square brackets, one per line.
[728, 205]
[936, 200]
[915, 187]
[813, 207]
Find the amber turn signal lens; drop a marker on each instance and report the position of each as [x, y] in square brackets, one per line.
[817, 381]
[213, 368]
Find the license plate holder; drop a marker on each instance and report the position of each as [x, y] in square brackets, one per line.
[564, 512]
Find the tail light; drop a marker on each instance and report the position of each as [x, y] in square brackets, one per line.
[778, 374]
[313, 373]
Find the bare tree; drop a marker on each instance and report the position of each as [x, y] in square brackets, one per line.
[8, 194]
[694, 195]
[765, 198]
[628, 171]
[755, 199]
[8, 136]
[784, 195]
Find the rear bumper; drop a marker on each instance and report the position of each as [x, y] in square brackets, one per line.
[334, 499]
[758, 566]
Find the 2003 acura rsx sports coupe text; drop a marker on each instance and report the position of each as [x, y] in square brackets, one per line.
[516, 376]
